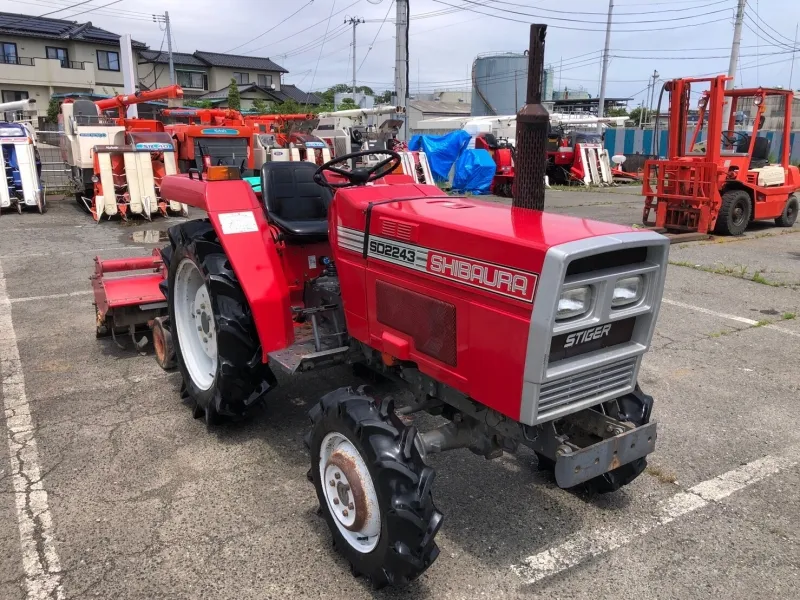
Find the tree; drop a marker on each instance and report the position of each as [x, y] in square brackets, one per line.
[619, 111]
[234, 99]
[53, 109]
[289, 107]
[198, 103]
[385, 97]
[347, 103]
[635, 114]
[260, 106]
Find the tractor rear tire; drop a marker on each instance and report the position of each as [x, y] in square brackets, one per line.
[374, 487]
[734, 214]
[790, 211]
[237, 379]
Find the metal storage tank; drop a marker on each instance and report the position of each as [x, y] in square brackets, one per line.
[499, 83]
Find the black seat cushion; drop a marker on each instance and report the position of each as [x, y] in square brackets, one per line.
[297, 205]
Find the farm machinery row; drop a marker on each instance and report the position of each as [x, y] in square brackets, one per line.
[530, 334]
[117, 164]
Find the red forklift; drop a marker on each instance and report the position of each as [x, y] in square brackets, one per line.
[721, 179]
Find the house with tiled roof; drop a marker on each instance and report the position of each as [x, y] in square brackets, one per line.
[40, 56]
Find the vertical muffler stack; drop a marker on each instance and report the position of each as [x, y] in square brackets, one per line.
[533, 123]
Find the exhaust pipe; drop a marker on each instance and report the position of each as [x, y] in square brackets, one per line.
[533, 122]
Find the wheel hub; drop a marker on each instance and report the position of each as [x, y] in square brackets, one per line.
[350, 492]
[194, 324]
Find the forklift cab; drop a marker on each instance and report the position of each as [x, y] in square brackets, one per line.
[742, 141]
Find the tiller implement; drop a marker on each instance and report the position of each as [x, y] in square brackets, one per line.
[721, 179]
[514, 326]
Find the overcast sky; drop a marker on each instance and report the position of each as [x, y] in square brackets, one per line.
[679, 38]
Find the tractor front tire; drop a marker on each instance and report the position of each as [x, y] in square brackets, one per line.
[217, 347]
[734, 214]
[374, 487]
[790, 211]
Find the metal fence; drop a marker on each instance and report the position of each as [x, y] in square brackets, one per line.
[55, 173]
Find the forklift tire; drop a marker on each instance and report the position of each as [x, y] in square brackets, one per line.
[237, 379]
[790, 211]
[374, 488]
[734, 214]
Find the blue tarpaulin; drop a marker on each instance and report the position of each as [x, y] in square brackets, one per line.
[441, 150]
[475, 170]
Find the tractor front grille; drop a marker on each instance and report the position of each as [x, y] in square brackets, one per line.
[609, 381]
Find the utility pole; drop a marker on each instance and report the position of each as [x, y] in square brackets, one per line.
[651, 96]
[737, 40]
[791, 71]
[355, 22]
[401, 61]
[165, 19]
[602, 99]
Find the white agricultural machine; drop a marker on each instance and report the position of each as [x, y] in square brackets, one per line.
[21, 186]
[116, 163]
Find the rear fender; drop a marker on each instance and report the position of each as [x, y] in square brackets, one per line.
[244, 233]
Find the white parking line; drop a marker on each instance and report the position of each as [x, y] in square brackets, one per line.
[39, 558]
[720, 315]
[67, 252]
[584, 546]
[50, 296]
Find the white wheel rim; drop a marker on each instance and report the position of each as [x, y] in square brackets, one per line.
[194, 322]
[349, 492]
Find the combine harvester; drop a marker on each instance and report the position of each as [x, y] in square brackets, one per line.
[22, 185]
[117, 164]
[727, 179]
[530, 334]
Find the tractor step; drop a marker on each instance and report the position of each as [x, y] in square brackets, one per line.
[303, 357]
[303, 354]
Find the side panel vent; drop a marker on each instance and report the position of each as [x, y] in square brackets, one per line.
[398, 230]
[431, 323]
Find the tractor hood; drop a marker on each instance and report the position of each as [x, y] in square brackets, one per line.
[423, 215]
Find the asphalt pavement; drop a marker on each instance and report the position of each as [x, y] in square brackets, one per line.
[109, 488]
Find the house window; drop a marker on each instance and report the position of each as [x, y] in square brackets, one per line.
[242, 78]
[264, 81]
[9, 53]
[193, 80]
[14, 96]
[107, 61]
[59, 54]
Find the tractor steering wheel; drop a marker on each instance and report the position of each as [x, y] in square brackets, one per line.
[359, 175]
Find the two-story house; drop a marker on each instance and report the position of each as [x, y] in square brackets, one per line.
[40, 57]
[207, 76]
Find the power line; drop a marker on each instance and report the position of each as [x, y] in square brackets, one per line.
[91, 9]
[504, 18]
[333, 5]
[309, 27]
[68, 4]
[391, 4]
[637, 13]
[272, 28]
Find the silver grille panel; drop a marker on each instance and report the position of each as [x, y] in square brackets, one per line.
[616, 377]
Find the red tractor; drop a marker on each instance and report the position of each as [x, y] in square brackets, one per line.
[721, 179]
[514, 326]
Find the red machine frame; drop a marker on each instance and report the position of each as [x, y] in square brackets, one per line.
[685, 190]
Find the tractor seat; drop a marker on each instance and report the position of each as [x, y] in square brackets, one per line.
[297, 205]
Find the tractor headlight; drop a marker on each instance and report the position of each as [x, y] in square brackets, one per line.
[627, 291]
[573, 302]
